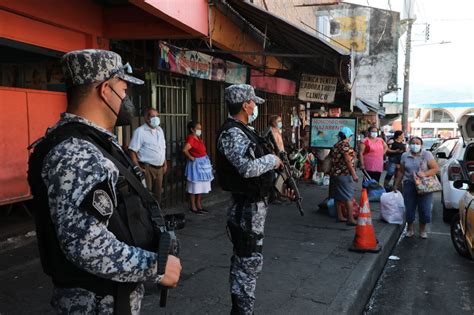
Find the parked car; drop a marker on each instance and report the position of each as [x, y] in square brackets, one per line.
[429, 142]
[451, 169]
[435, 145]
[448, 147]
[462, 225]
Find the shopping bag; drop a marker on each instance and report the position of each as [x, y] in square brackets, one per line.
[392, 207]
[426, 184]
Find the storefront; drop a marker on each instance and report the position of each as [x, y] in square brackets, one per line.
[33, 37]
[297, 52]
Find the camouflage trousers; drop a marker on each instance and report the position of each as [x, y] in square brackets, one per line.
[80, 301]
[244, 271]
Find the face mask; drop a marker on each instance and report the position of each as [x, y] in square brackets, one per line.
[125, 114]
[254, 115]
[155, 121]
[415, 148]
[374, 134]
[198, 132]
[279, 125]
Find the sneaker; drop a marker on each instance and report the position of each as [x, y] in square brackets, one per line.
[410, 233]
[203, 210]
[424, 235]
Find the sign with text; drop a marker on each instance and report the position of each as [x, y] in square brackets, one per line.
[324, 131]
[318, 89]
[196, 64]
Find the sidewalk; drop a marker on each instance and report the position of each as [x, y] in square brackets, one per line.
[307, 267]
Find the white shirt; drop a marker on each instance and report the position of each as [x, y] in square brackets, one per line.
[149, 144]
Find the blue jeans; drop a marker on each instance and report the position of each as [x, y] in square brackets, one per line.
[414, 201]
[392, 165]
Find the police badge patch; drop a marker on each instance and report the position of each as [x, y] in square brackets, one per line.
[102, 202]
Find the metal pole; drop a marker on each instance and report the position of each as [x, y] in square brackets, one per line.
[406, 81]
[353, 78]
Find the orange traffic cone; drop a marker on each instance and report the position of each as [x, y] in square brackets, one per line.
[364, 239]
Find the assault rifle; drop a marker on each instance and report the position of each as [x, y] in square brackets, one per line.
[285, 177]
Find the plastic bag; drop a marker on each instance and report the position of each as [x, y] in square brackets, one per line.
[331, 208]
[392, 207]
[355, 207]
[318, 178]
[374, 189]
[326, 180]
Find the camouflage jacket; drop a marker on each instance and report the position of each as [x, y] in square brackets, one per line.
[238, 148]
[71, 170]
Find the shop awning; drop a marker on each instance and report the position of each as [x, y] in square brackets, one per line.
[283, 39]
[366, 106]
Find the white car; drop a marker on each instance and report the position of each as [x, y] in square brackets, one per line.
[448, 147]
[451, 169]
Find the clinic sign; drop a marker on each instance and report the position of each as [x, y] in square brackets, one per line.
[324, 131]
[318, 89]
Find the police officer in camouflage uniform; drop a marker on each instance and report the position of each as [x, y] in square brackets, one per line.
[245, 167]
[96, 238]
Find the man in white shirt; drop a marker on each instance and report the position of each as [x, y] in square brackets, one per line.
[148, 150]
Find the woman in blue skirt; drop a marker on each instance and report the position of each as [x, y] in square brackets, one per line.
[198, 168]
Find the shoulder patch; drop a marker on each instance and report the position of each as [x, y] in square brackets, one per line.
[102, 202]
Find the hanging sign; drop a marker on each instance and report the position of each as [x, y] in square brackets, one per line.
[235, 73]
[318, 89]
[195, 64]
[324, 131]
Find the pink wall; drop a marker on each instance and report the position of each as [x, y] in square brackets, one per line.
[189, 15]
[272, 84]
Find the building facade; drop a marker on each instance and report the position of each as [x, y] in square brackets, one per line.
[152, 36]
[373, 35]
[431, 120]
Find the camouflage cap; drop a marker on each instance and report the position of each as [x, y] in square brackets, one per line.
[93, 65]
[239, 93]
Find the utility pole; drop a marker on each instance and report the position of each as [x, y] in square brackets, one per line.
[406, 82]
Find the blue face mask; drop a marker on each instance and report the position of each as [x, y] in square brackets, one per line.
[254, 115]
[155, 122]
[415, 148]
[279, 125]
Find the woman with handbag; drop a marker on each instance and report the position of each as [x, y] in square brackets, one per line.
[418, 169]
[343, 176]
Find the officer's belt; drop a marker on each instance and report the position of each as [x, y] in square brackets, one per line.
[244, 199]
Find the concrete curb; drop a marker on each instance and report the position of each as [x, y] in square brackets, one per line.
[360, 284]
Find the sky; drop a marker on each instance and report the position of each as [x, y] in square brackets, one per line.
[439, 72]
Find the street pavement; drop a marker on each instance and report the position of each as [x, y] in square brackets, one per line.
[307, 267]
[429, 278]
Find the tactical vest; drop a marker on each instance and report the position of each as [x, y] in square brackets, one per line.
[130, 221]
[255, 188]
